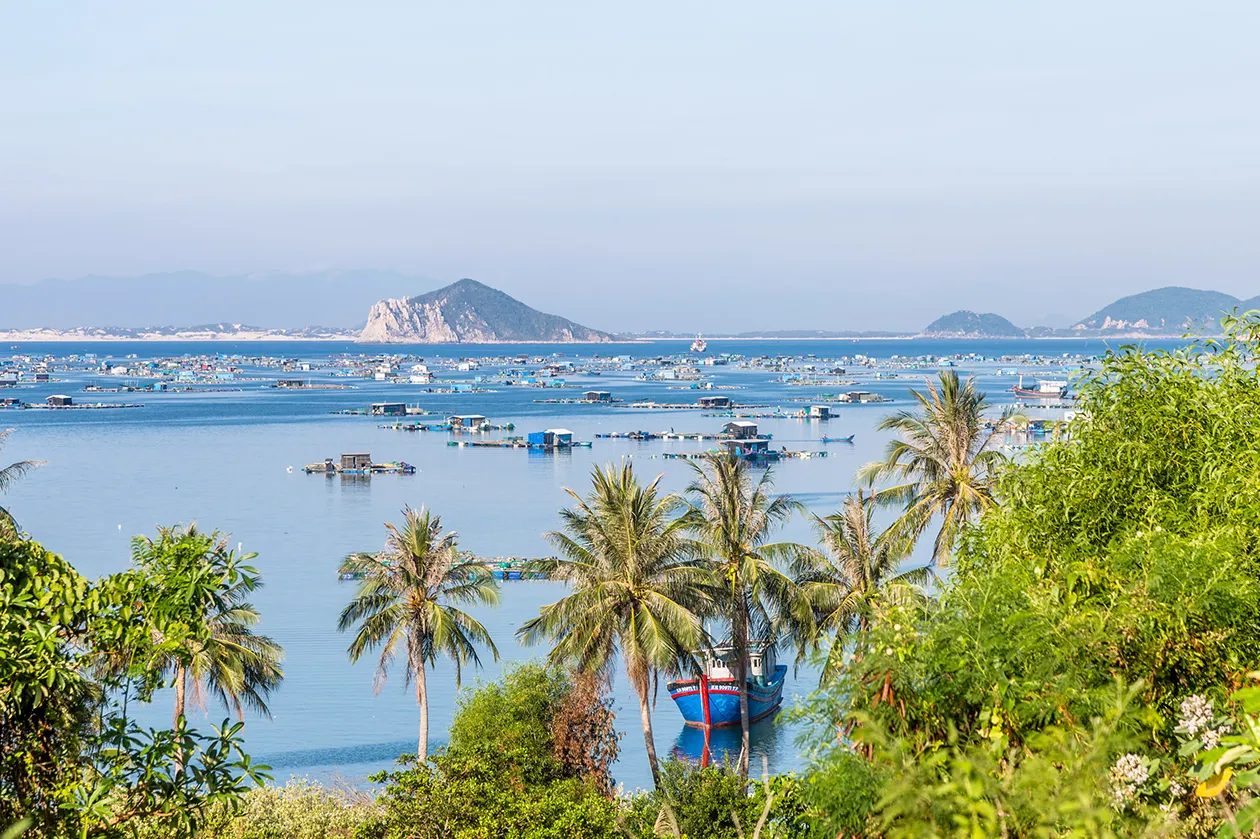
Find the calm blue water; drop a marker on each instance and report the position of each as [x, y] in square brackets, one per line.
[221, 459]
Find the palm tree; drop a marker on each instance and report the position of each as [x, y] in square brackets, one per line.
[943, 462]
[9, 475]
[635, 587]
[856, 569]
[409, 595]
[731, 520]
[203, 579]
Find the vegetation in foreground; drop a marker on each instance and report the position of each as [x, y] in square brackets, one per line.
[1088, 666]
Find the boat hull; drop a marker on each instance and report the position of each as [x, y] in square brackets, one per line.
[714, 703]
[1026, 393]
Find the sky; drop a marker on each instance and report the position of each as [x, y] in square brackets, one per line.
[721, 165]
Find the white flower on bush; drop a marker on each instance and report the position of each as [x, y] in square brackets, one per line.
[1129, 772]
[1212, 736]
[1176, 790]
[1196, 715]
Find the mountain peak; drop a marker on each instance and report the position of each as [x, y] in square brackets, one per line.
[467, 311]
[968, 324]
[1172, 309]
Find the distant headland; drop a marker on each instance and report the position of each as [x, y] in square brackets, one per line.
[1163, 312]
[470, 312]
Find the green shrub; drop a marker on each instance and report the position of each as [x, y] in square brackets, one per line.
[711, 802]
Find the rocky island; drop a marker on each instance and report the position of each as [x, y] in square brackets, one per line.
[469, 312]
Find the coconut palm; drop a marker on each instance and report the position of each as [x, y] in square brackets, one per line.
[856, 569]
[409, 595]
[205, 584]
[9, 475]
[943, 462]
[731, 520]
[635, 588]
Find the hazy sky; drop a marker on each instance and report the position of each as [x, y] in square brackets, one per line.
[714, 165]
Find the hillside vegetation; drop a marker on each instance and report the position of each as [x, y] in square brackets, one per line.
[966, 324]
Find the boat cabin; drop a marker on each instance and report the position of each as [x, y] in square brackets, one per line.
[719, 662]
[741, 429]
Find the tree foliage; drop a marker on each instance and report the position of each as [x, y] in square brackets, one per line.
[76, 656]
[410, 598]
[1124, 555]
[635, 589]
[942, 463]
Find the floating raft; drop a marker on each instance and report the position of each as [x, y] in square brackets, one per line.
[93, 406]
[576, 401]
[516, 443]
[669, 406]
[659, 435]
[330, 469]
[777, 414]
[501, 568]
[446, 426]
[756, 457]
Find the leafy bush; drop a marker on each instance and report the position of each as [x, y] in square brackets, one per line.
[712, 802]
[1121, 559]
[301, 809]
[505, 772]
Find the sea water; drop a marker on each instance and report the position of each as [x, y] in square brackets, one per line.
[223, 460]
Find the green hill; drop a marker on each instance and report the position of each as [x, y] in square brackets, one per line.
[1171, 310]
[965, 324]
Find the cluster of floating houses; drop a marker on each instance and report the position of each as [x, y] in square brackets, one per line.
[360, 464]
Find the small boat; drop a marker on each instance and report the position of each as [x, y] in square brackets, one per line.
[711, 700]
[699, 344]
[848, 439]
[1045, 389]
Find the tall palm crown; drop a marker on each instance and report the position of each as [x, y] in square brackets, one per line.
[635, 587]
[856, 568]
[731, 519]
[9, 475]
[227, 660]
[409, 596]
[942, 463]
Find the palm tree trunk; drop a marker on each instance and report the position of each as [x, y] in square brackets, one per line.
[422, 699]
[645, 713]
[181, 690]
[741, 673]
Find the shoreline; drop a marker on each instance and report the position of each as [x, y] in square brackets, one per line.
[23, 337]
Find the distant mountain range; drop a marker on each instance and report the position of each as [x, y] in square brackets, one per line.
[330, 304]
[202, 332]
[469, 312]
[1168, 312]
[279, 299]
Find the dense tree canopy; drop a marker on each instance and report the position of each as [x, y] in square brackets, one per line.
[1118, 576]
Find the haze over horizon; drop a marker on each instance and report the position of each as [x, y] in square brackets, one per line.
[679, 166]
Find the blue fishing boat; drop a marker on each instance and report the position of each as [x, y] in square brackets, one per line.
[711, 700]
[848, 439]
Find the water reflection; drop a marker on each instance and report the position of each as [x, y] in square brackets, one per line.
[722, 746]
